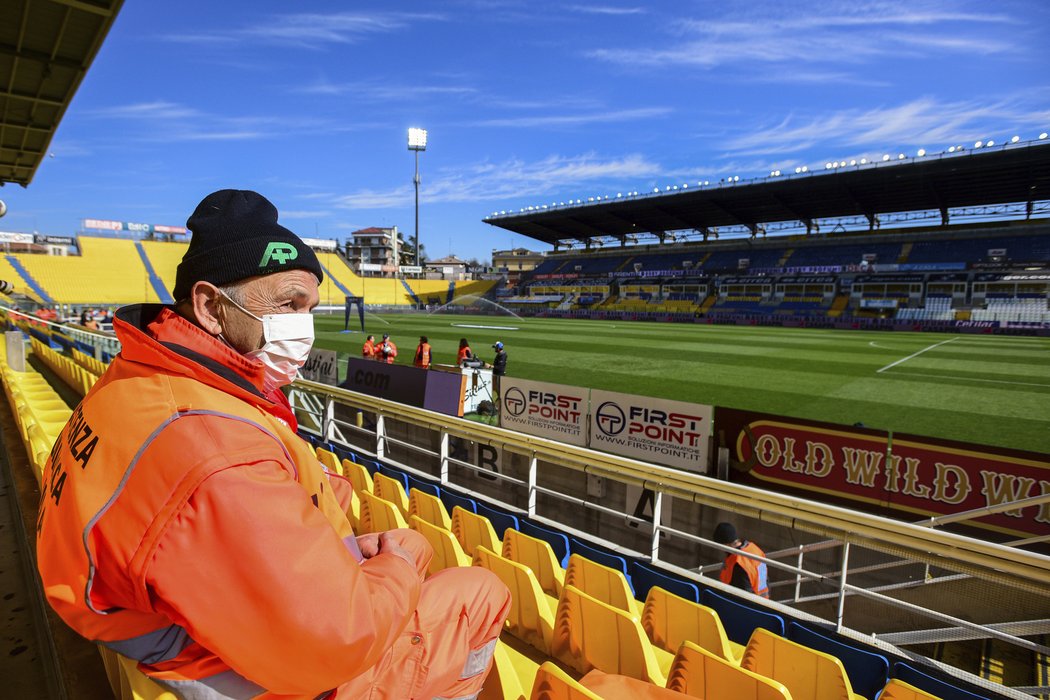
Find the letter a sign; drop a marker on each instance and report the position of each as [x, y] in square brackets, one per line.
[279, 253]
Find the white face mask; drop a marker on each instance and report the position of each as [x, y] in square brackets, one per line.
[288, 341]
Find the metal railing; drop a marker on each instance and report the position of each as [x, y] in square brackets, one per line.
[352, 420]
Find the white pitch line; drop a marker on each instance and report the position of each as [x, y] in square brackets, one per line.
[931, 347]
[490, 328]
[971, 379]
[876, 345]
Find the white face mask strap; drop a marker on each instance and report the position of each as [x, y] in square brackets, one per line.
[230, 299]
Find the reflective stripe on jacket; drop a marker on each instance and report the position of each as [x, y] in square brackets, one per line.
[756, 571]
[183, 524]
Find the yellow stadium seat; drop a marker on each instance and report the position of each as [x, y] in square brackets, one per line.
[807, 674]
[590, 634]
[899, 690]
[538, 556]
[511, 673]
[670, 620]
[552, 683]
[531, 616]
[473, 530]
[701, 674]
[391, 490]
[117, 683]
[429, 508]
[128, 682]
[330, 460]
[447, 552]
[606, 584]
[39, 448]
[379, 515]
[358, 476]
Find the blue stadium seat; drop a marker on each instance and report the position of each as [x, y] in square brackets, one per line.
[501, 520]
[932, 685]
[645, 576]
[558, 542]
[343, 453]
[424, 485]
[867, 671]
[741, 620]
[601, 556]
[452, 499]
[370, 464]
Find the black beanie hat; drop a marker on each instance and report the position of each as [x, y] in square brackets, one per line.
[725, 533]
[236, 236]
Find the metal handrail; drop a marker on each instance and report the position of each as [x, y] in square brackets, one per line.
[958, 552]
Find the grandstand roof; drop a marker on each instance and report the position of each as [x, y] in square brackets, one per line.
[999, 175]
[46, 47]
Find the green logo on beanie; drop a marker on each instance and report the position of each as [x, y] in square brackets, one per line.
[279, 253]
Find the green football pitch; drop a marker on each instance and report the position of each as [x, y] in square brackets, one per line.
[992, 390]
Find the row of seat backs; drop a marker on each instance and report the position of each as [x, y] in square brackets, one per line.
[867, 671]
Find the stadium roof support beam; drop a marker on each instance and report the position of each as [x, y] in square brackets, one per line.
[86, 6]
[40, 57]
[36, 99]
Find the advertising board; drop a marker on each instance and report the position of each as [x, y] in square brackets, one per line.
[546, 410]
[904, 475]
[663, 431]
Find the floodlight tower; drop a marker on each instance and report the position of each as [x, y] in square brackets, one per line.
[417, 141]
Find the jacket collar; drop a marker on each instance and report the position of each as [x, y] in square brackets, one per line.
[153, 334]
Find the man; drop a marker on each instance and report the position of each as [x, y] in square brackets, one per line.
[422, 358]
[387, 351]
[368, 350]
[740, 571]
[185, 525]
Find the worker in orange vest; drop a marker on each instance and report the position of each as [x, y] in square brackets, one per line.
[368, 350]
[464, 352]
[422, 358]
[740, 571]
[204, 540]
[386, 351]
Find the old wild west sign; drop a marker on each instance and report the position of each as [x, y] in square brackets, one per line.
[905, 476]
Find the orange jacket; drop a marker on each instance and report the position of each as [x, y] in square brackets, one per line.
[368, 350]
[422, 358]
[386, 351]
[463, 354]
[185, 525]
[756, 570]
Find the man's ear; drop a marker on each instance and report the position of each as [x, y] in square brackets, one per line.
[204, 298]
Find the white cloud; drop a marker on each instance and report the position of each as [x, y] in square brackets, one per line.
[165, 121]
[384, 92]
[926, 122]
[507, 180]
[310, 30]
[556, 120]
[606, 10]
[838, 33]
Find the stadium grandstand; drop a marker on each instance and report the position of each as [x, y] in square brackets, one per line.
[607, 557]
[947, 240]
[112, 271]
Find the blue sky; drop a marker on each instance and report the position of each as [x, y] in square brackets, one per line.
[525, 102]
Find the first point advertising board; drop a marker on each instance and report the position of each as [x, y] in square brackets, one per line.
[546, 410]
[662, 431]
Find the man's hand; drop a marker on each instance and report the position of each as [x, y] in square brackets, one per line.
[382, 543]
[369, 544]
[388, 545]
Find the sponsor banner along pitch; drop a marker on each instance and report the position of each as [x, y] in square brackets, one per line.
[546, 410]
